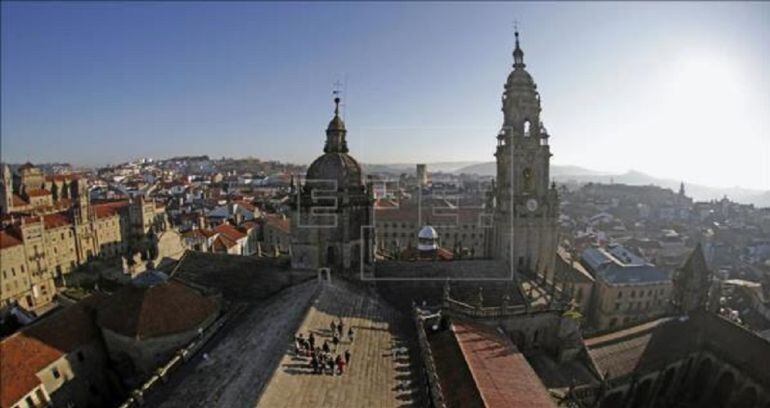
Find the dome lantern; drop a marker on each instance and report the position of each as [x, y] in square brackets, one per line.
[335, 132]
[427, 239]
[518, 54]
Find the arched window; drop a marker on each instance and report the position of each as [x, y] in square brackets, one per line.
[527, 173]
[527, 126]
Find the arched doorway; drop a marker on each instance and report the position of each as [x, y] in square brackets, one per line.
[723, 390]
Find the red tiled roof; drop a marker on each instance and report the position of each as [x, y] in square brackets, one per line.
[109, 209]
[229, 231]
[246, 205]
[383, 203]
[502, 375]
[278, 222]
[222, 243]
[145, 312]
[246, 226]
[414, 254]
[7, 240]
[38, 192]
[55, 220]
[29, 351]
[208, 233]
[23, 357]
[18, 201]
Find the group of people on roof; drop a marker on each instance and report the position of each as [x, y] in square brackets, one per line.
[322, 358]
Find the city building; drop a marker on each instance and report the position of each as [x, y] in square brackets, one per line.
[628, 289]
[42, 242]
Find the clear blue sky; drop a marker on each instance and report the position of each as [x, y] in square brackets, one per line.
[677, 90]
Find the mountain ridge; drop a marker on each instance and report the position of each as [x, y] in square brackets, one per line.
[571, 174]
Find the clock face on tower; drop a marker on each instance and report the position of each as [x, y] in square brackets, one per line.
[532, 204]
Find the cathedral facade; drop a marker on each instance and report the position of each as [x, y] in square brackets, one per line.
[526, 205]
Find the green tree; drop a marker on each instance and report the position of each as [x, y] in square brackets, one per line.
[55, 191]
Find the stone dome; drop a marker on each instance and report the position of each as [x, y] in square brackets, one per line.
[337, 166]
[520, 78]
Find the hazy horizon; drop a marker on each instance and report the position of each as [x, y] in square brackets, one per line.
[674, 91]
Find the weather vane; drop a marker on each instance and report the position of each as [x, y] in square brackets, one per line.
[337, 88]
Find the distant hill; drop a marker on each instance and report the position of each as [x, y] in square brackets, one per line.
[697, 191]
[490, 169]
[410, 168]
[580, 175]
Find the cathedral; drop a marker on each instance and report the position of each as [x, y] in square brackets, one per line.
[520, 310]
[332, 225]
[332, 210]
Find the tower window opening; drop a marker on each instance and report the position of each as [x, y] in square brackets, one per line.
[527, 125]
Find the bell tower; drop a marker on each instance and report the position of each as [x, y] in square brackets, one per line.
[527, 206]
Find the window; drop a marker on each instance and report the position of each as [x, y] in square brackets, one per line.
[55, 372]
[617, 306]
[13, 271]
[620, 295]
[633, 293]
[40, 395]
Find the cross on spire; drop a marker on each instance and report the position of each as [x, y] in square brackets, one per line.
[518, 54]
[336, 91]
